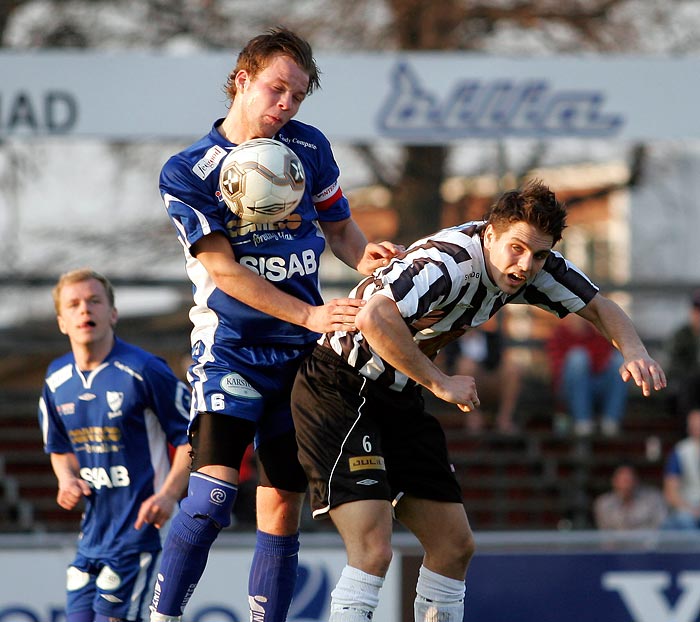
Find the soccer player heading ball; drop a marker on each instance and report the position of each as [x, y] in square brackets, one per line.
[257, 313]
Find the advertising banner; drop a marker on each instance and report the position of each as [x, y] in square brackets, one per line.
[32, 586]
[418, 98]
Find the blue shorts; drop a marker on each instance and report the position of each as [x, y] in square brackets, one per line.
[253, 383]
[117, 587]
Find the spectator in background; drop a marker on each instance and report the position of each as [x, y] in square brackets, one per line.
[481, 353]
[682, 478]
[629, 505]
[684, 361]
[585, 376]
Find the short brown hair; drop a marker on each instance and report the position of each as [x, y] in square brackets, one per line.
[534, 204]
[279, 41]
[78, 276]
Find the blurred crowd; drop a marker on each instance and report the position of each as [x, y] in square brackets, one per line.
[588, 398]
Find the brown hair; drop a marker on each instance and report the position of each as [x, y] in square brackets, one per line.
[279, 41]
[534, 204]
[78, 276]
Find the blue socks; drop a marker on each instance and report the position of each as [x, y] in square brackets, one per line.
[273, 575]
[202, 515]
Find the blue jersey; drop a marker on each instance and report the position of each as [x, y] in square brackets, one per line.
[286, 253]
[118, 420]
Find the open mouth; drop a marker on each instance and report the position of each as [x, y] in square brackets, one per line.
[516, 279]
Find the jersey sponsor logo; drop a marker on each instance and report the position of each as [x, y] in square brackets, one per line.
[66, 409]
[364, 463]
[87, 397]
[496, 108]
[96, 439]
[280, 229]
[235, 384]
[278, 268]
[116, 476]
[297, 141]
[207, 165]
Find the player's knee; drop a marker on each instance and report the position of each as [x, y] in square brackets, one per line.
[377, 557]
[211, 498]
[461, 549]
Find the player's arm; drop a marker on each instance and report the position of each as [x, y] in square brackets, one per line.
[71, 487]
[384, 329]
[617, 327]
[216, 255]
[158, 508]
[349, 244]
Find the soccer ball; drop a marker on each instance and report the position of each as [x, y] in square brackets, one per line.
[262, 180]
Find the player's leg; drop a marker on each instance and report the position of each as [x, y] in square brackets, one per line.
[365, 527]
[124, 585]
[218, 443]
[279, 500]
[80, 589]
[340, 450]
[431, 507]
[443, 531]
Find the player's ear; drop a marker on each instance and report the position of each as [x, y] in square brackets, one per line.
[242, 78]
[114, 316]
[61, 325]
[489, 235]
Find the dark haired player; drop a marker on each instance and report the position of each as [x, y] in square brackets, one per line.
[370, 450]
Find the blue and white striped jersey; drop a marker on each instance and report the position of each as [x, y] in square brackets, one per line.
[118, 420]
[441, 288]
[286, 253]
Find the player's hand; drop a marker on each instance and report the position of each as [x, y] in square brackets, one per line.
[378, 256]
[71, 492]
[156, 510]
[645, 372]
[460, 390]
[337, 314]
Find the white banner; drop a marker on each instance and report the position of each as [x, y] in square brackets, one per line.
[410, 98]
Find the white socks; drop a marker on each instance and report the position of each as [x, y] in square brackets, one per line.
[438, 598]
[355, 597]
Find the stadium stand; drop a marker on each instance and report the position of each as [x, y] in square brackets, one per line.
[535, 480]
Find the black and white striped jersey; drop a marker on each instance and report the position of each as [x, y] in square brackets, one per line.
[441, 289]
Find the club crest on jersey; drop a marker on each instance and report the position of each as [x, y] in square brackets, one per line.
[235, 384]
[115, 399]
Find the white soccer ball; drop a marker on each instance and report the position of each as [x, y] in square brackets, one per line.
[262, 180]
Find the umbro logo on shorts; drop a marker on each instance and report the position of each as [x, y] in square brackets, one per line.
[367, 482]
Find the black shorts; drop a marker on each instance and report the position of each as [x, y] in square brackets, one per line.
[358, 440]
